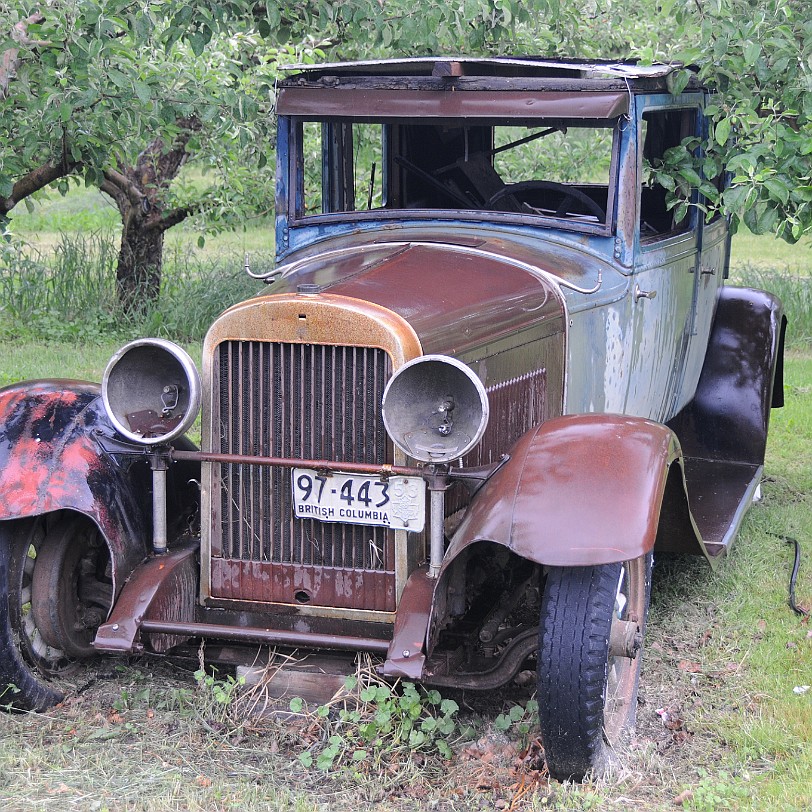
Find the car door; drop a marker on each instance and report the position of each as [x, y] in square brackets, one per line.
[663, 286]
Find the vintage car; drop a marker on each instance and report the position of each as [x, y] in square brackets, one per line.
[491, 375]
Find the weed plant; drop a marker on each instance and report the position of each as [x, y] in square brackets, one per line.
[70, 294]
[368, 725]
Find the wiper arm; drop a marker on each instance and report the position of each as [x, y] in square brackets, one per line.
[527, 139]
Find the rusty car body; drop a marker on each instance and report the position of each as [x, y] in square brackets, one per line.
[490, 376]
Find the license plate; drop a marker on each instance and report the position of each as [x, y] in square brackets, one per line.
[398, 502]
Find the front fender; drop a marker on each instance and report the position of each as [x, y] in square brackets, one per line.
[577, 490]
[52, 458]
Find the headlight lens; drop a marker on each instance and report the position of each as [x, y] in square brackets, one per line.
[151, 391]
[435, 409]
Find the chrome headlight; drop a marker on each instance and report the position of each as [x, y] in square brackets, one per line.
[151, 391]
[435, 409]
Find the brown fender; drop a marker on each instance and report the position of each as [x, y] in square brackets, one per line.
[577, 490]
[52, 457]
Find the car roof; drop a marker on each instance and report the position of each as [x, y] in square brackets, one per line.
[504, 66]
[488, 88]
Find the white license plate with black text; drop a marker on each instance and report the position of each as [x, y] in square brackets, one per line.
[398, 502]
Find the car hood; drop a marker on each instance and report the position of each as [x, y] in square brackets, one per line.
[455, 296]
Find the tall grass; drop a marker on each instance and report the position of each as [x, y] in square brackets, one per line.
[70, 293]
[794, 290]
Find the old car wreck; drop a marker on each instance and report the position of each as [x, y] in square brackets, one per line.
[491, 375]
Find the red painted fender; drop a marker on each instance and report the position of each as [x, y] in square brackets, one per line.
[577, 490]
[52, 458]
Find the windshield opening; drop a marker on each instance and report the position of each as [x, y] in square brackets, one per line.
[558, 169]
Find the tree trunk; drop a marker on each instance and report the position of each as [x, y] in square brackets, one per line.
[140, 262]
[138, 192]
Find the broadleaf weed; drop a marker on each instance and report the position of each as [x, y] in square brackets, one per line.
[370, 722]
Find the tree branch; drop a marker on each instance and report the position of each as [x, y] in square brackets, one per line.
[35, 180]
[172, 218]
[123, 185]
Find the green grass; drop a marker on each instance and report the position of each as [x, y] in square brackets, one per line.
[730, 666]
[70, 293]
[87, 211]
[768, 253]
[28, 360]
[723, 654]
[81, 209]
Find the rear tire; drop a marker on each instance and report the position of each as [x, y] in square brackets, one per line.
[587, 693]
[54, 592]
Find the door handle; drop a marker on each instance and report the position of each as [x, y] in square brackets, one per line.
[639, 293]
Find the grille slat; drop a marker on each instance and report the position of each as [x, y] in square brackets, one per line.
[300, 401]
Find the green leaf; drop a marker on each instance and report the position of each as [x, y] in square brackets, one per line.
[691, 175]
[428, 725]
[722, 131]
[325, 761]
[117, 77]
[143, 91]
[678, 81]
[516, 713]
[752, 51]
[777, 189]
[502, 722]
[198, 42]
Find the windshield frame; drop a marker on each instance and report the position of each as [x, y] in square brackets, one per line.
[292, 125]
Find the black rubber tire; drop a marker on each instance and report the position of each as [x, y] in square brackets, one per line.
[587, 700]
[30, 669]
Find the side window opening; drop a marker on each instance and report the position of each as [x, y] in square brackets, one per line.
[661, 130]
[343, 166]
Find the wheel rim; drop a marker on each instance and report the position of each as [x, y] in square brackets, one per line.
[62, 593]
[622, 673]
[70, 593]
[48, 659]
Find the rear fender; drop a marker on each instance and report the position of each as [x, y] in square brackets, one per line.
[52, 457]
[742, 379]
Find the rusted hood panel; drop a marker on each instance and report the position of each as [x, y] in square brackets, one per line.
[456, 297]
[578, 490]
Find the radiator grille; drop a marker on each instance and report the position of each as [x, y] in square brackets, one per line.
[298, 401]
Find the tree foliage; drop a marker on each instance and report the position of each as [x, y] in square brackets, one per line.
[106, 90]
[757, 57]
[112, 90]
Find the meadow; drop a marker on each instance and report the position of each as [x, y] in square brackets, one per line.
[725, 714]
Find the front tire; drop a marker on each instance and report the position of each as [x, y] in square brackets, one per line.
[587, 689]
[55, 589]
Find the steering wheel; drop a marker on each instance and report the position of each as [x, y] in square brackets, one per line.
[568, 193]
